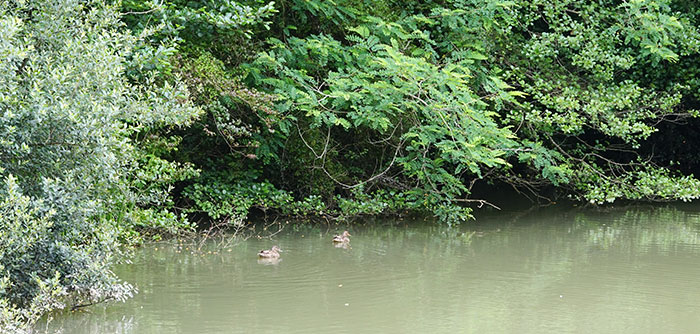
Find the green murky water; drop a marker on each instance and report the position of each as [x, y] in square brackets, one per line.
[545, 271]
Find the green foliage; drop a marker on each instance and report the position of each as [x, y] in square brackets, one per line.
[644, 183]
[231, 203]
[41, 266]
[585, 68]
[203, 21]
[380, 202]
[348, 99]
[573, 69]
[437, 125]
[14, 319]
[217, 26]
[119, 121]
[73, 175]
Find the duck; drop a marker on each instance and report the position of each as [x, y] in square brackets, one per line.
[273, 253]
[342, 238]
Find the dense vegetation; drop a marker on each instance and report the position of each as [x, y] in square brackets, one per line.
[124, 117]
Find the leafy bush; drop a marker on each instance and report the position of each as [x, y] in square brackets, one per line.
[67, 119]
[232, 203]
[428, 98]
[452, 93]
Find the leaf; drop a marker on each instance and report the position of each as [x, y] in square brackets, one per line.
[475, 55]
[363, 31]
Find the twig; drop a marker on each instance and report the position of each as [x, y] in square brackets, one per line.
[143, 12]
[480, 201]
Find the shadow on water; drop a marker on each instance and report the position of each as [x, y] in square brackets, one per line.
[549, 270]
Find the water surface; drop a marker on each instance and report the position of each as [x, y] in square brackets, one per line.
[543, 271]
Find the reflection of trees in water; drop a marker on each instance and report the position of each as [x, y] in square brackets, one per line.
[643, 229]
[96, 321]
[634, 229]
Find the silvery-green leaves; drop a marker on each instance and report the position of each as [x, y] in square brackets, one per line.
[67, 117]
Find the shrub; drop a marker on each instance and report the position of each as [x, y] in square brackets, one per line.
[67, 119]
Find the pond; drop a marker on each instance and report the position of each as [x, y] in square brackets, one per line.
[549, 270]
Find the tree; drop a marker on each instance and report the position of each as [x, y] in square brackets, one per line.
[453, 93]
[67, 116]
[409, 104]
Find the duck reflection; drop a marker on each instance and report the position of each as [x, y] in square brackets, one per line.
[343, 245]
[269, 261]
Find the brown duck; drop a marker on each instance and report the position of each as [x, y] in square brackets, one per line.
[342, 238]
[273, 253]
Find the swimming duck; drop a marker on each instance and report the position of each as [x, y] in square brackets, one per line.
[342, 238]
[273, 253]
